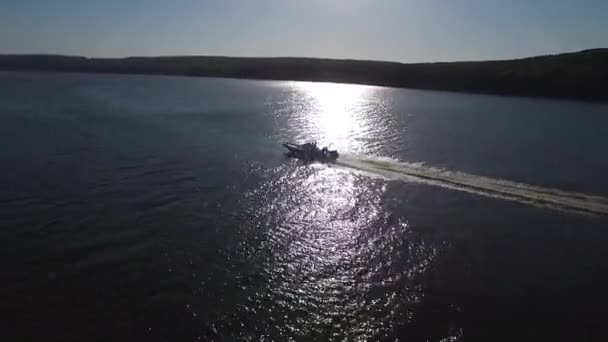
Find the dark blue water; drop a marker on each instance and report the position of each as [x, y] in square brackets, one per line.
[162, 209]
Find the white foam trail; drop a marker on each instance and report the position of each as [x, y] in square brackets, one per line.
[497, 188]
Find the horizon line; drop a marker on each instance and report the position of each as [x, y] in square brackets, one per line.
[300, 57]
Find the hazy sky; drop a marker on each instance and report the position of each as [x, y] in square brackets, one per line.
[400, 30]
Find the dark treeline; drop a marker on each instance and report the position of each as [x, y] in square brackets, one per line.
[578, 75]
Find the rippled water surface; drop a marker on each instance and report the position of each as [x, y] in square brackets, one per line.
[162, 209]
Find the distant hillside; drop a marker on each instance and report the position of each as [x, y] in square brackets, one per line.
[580, 75]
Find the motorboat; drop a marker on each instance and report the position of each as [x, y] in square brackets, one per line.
[309, 152]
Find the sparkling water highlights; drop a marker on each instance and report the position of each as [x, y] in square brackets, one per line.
[152, 208]
[332, 257]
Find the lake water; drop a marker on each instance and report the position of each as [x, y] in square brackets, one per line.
[162, 209]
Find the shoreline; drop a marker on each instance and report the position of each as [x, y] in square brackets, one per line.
[576, 76]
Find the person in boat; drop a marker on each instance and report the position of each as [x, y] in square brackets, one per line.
[310, 147]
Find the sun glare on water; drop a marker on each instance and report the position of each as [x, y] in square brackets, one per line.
[336, 112]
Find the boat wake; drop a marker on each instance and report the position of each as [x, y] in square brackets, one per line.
[497, 188]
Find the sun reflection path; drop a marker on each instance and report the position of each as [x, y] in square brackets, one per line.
[335, 261]
[337, 114]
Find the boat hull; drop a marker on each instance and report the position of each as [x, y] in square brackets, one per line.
[298, 152]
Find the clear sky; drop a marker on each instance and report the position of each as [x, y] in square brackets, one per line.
[399, 30]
